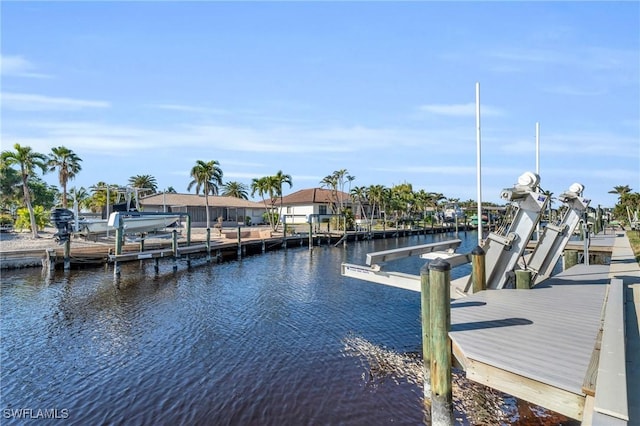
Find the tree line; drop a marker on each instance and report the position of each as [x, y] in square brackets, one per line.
[22, 188]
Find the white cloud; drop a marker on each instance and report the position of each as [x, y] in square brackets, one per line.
[30, 102]
[460, 110]
[18, 66]
[188, 108]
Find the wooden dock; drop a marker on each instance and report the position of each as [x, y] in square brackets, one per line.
[98, 253]
[565, 344]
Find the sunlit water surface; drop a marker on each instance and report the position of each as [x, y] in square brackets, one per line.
[274, 339]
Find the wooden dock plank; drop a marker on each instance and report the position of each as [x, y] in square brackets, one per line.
[546, 334]
[558, 400]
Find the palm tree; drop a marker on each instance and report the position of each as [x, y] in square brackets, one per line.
[99, 199]
[68, 165]
[280, 178]
[80, 195]
[359, 195]
[10, 183]
[206, 176]
[266, 186]
[375, 195]
[28, 160]
[620, 190]
[145, 183]
[235, 189]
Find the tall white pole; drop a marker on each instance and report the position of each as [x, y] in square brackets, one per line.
[538, 170]
[538, 148]
[478, 165]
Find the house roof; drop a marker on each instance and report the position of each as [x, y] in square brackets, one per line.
[191, 200]
[313, 196]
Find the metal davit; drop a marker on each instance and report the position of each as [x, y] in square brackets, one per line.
[503, 249]
[555, 237]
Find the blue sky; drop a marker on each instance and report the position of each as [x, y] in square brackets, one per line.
[385, 90]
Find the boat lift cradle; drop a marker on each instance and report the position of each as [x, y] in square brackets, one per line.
[554, 238]
[501, 250]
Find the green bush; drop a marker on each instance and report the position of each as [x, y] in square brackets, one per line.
[24, 222]
[6, 219]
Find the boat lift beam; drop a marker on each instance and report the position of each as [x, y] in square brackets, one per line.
[502, 251]
[375, 261]
[555, 237]
[381, 257]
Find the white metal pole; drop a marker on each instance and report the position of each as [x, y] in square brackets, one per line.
[538, 170]
[478, 164]
[538, 148]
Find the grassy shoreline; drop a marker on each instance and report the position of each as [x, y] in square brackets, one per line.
[634, 239]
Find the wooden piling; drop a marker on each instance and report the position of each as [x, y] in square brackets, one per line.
[523, 279]
[426, 324]
[207, 243]
[239, 244]
[570, 259]
[174, 247]
[50, 259]
[478, 271]
[440, 317]
[284, 234]
[189, 231]
[67, 254]
[310, 235]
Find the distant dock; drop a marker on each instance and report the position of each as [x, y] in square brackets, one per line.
[229, 247]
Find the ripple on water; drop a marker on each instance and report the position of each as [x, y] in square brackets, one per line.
[279, 338]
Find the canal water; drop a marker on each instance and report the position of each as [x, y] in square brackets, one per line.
[279, 338]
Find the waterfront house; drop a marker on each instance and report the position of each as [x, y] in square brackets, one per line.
[233, 211]
[298, 206]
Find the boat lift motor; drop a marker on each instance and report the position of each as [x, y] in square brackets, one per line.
[503, 250]
[555, 237]
[62, 219]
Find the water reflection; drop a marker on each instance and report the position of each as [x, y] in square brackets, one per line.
[264, 340]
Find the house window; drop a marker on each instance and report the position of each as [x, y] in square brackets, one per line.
[289, 209]
[322, 209]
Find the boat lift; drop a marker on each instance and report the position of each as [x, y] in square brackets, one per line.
[555, 237]
[502, 250]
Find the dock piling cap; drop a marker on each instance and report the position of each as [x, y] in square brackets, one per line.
[439, 265]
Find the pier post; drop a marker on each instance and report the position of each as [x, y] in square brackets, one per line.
[141, 245]
[264, 246]
[208, 244]
[50, 259]
[570, 259]
[284, 234]
[523, 279]
[174, 247]
[310, 235]
[239, 244]
[478, 271]
[344, 232]
[67, 254]
[189, 230]
[119, 238]
[156, 265]
[426, 324]
[440, 316]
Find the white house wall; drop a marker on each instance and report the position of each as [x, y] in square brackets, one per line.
[297, 214]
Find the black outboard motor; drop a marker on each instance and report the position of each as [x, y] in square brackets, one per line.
[61, 219]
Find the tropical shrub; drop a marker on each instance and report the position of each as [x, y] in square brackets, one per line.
[23, 221]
